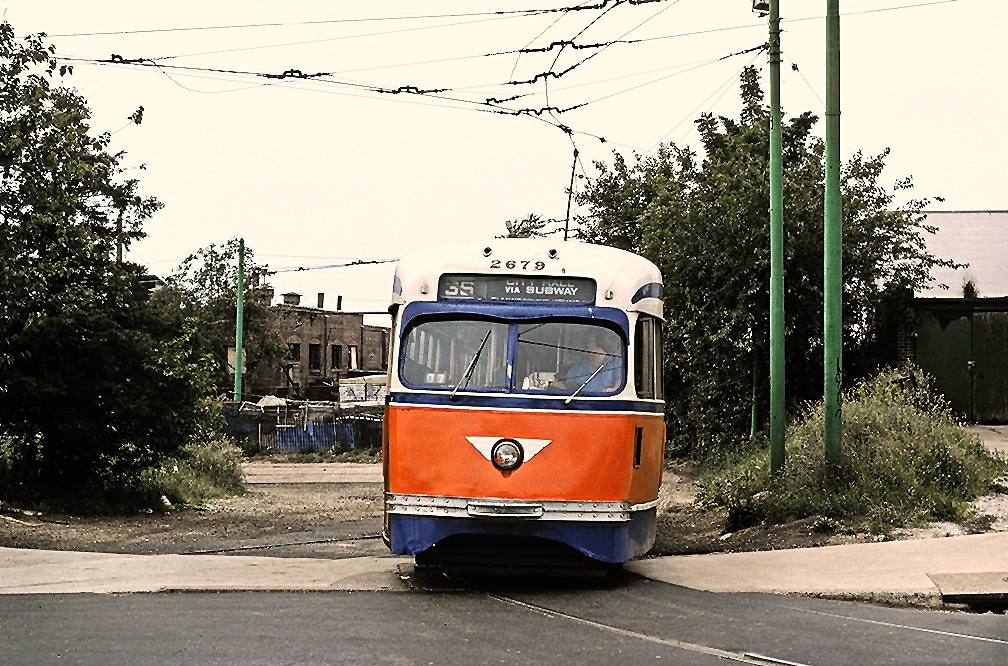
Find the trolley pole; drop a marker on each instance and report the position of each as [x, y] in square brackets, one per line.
[570, 193]
[238, 326]
[777, 416]
[832, 244]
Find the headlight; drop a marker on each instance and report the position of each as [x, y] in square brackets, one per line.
[507, 455]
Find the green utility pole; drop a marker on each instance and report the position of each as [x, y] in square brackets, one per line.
[238, 325]
[776, 252]
[832, 240]
[119, 238]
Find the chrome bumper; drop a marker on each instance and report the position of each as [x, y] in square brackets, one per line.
[491, 507]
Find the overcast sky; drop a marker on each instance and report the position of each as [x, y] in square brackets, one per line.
[316, 172]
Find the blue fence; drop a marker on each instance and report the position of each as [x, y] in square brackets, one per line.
[317, 428]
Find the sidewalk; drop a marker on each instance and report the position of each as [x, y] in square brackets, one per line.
[925, 572]
[25, 571]
[921, 572]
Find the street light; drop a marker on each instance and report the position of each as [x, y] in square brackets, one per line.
[777, 411]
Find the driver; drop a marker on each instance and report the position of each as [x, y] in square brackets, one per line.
[593, 356]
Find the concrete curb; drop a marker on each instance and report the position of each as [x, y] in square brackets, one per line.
[68, 572]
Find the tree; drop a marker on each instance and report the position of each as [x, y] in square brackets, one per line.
[532, 226]
[95, 384]
[705, 224]
[204, 289]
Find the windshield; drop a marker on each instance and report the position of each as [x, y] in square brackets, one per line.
[440, 354]
[563, 357]
[557, 357]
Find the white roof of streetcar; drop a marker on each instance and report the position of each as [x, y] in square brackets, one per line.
[619, 275]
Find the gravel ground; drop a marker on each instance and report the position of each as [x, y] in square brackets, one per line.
[335, 510]
[277, 510]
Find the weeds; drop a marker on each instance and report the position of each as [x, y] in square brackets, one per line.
[905, 460]
[200, 472]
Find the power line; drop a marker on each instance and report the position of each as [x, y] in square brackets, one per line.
[794, 68]
[760, 47]
[490, 105]
[240, 26]
[372, 19]
[321, 40]
[726, 85]
[356, 262]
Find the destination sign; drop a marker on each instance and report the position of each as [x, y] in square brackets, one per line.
[516, 288]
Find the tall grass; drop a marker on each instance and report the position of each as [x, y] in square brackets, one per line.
[905, 460]
[199, 472]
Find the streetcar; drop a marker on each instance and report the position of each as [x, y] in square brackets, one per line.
[524, 421]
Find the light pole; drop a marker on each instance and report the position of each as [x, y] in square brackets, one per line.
[777, 414]
[239, 317]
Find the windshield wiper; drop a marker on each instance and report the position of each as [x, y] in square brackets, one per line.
[590, 377]
[472, 366]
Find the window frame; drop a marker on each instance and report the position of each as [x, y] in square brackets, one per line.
[510, 386]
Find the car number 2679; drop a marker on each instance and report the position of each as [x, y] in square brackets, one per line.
[525, 264]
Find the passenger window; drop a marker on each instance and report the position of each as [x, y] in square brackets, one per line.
[440, 354]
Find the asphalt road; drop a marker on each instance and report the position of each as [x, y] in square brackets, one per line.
[632, 621]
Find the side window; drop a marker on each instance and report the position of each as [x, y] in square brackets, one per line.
[644, 355]
[314, 356]
[659, 357]
[648, 358]
[336, 357]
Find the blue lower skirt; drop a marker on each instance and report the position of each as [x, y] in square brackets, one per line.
[603, 541]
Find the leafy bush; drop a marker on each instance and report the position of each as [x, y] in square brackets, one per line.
[198, 473]
[904, 459]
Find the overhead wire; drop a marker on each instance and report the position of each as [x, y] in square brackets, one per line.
[794, 68]
[723, 87]
[372, 19]
[356, 262]
[323, 40]
[491, 104]
[284, 24]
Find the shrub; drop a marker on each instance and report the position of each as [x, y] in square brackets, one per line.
[904, 459]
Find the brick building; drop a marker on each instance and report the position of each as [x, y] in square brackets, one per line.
[322, 347]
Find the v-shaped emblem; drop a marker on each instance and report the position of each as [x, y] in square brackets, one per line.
[529, 446]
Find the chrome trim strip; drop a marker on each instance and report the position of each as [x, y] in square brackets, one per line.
[504, 509]
[497, 507]
[645, 505]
